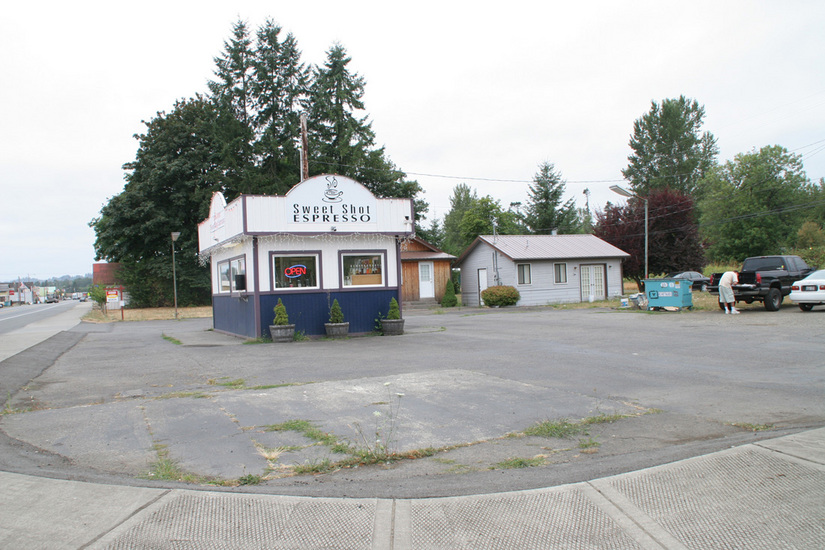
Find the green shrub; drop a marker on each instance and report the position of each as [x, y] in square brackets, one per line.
[281, 318]
[394, 312]
[449, 299]
[335, 313]
[500, 296]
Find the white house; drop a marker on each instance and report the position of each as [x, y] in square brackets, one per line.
[545, 269]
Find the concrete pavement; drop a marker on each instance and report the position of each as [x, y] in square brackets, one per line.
[766, 494]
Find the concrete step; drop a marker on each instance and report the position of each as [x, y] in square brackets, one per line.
[427, 303]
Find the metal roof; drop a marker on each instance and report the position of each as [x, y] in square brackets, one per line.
[410, 255]
[549, 247]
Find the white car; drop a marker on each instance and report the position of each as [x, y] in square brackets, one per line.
[810, 291]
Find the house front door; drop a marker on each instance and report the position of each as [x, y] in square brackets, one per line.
[426, 286]
[592, 283]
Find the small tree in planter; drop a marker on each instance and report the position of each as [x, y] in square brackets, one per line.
[393, 325]
[280, 330]
[337, 327]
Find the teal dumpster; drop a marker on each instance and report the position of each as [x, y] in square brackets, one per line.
[663, 293]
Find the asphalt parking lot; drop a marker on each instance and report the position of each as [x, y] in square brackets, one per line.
[459, 392]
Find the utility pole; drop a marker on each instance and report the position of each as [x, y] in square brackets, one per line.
[304, 148]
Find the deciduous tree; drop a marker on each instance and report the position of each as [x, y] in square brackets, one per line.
[673, 236]
[755, 204]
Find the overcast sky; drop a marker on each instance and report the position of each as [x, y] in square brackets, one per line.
[472, 92]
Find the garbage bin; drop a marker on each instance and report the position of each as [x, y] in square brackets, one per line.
[668, 293]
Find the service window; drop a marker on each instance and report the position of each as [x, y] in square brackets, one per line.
[561, 273]
[291, 271]
[237, 274]
[223, 277]
[232, 275]
[362, 269]
[524, 277]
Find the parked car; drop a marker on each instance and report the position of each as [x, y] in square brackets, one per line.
[698, 281]
[810, 291]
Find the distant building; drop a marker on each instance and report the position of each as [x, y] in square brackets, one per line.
[105, 274]
[425, 271]
[545, 269]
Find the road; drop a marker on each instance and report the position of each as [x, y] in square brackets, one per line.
[101, 400]
[24, 326]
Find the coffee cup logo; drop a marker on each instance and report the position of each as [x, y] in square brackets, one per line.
[332, 194]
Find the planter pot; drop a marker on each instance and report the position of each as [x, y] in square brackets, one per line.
[282, 333]
[392, 327]
[337, 330]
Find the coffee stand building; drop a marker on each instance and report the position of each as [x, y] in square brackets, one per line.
[328, 238]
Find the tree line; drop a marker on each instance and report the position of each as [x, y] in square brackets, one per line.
[243, 137]
[699, 211]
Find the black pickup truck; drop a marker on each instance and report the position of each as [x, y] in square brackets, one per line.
[765, 279]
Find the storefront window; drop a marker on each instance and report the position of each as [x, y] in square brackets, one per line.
[366, 269]
[295, 271]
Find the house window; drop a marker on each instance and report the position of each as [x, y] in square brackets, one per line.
[232, 275]
[524, 274]
[561, 273]
[363, 269]
[295, 271]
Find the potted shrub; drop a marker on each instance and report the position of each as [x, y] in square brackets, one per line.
[393, 325]
[337, 327]
[280, 330]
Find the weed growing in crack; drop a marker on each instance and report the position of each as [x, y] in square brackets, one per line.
[518, 462]
[380, 444]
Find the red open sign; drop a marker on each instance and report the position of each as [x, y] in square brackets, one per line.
[295, 271]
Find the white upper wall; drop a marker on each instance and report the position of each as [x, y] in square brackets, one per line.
[321, 204]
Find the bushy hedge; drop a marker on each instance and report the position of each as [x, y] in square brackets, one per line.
[500, 296]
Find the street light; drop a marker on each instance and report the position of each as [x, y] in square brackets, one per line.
[175, 235]
[625, 193]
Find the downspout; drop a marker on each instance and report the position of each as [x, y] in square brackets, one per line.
[256, 305]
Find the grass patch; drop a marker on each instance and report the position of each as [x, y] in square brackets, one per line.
[249, 479]
[588, 443]
[148, 314]
[183, 394]
[172, 340]
[311, 432]
[240, 384]
[554, 428]
[236, 384]
[518, 462]
[167, 469]
[315, 467]
[752, 427]
[603, 419]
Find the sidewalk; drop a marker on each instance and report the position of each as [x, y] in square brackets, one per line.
[765, 495]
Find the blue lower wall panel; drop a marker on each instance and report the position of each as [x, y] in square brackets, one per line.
[234, 315]
[309, 311]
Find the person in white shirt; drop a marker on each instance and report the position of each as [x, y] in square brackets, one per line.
[726, 297]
